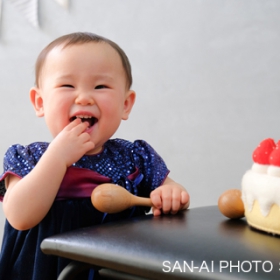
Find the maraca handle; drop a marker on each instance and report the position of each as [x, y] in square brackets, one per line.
[141, 201]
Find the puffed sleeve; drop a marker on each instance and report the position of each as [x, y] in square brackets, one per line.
[20, 160]
[150, 164]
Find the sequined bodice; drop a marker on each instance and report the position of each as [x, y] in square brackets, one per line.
[120, 160]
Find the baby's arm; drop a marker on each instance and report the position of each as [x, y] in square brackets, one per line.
[28, 200]
[170, 197]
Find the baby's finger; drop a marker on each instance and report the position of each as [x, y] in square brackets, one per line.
[73, 124]
[176, 201]
[184, 197]
[156, 212]
[185, 200]
[77, 126]
[166, 197]
[81, 127]
[156, 198]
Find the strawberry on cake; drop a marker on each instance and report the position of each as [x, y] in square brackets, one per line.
[261, 188]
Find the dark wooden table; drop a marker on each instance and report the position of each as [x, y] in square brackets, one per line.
[199, 243]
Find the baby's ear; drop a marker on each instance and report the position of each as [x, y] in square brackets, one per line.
[37, 101]
[128, 104]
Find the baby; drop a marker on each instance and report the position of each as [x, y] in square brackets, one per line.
[83, 90]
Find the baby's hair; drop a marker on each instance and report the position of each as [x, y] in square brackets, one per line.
[81, 38]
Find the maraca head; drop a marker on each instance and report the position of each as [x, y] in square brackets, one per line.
[110, 198]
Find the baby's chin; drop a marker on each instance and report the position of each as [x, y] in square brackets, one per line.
[94, 151]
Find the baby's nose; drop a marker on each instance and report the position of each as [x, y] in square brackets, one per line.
[84, 99]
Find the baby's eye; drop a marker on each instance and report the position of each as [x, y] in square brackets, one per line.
[100, 87]
[66, 85]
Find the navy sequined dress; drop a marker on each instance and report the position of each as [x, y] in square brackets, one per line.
[134, 166]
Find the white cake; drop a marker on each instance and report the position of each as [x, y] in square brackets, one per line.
[261, 188]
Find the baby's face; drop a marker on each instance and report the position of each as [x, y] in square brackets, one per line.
[85, 81]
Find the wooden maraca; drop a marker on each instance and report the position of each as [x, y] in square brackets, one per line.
[110, 198]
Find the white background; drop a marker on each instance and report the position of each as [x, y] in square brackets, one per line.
[206, 73]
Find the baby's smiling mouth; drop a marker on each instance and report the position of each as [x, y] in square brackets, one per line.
[91, 120]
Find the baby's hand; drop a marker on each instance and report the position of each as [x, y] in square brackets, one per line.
[169, 198]
[72, 142]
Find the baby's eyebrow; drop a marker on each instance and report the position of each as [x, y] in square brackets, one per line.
[61, 77]
[103, 77]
